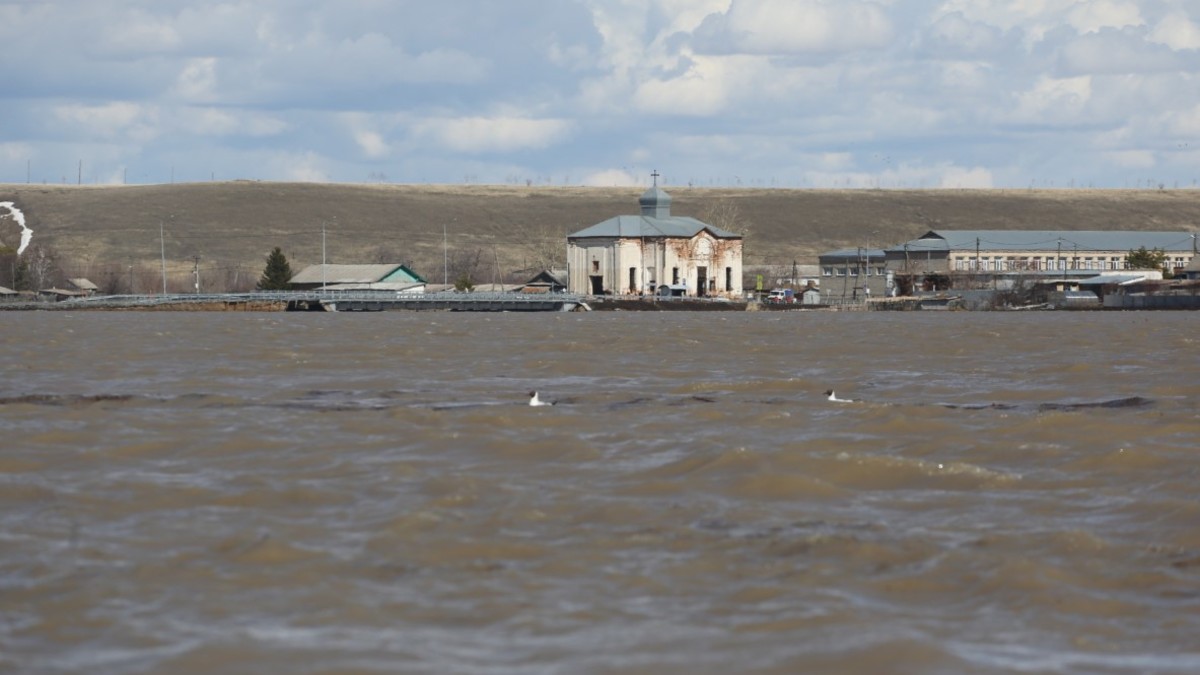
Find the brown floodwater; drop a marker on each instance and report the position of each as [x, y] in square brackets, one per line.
[369, 493]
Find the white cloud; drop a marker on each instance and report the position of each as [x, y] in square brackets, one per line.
[1177, 31]
[111, 120]
[219, 122]
[11, 152]
[305, 167]
[198, 81]
[1185, 124]
[955, 35]
[493, 134]
[372, 144]
[1115, 52]
[973, 178]
[1053, 101]
[610, 178]
[726, 92]
[1089, 17]
[796, 27]
[704, 89]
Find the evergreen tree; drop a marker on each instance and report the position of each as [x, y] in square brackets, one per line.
[1141, 259]
[277, 274]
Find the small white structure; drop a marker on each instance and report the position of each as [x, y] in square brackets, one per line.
[655, 253]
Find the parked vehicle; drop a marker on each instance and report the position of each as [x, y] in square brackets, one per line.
[784, 296]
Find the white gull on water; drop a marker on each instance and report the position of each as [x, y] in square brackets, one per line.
[19, 216]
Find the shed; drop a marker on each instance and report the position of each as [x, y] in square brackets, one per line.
[811, 295]
[85, 285]
[547, 281]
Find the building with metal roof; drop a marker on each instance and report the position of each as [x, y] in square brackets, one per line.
[942, 259]
[855, 273]
[385, 277]
[655, 252]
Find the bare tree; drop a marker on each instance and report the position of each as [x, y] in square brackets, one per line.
[463, 267]
[42, 264]
[727, 215]
[542, 245]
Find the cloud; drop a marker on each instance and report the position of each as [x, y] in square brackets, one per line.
[610, 178]
[111, 120]
[198, 81]
[493, 134]
[1112, 51]
[304, 167]
[225, 122]
[704, 89]
[795, 27]
[973, 178]
[1096, 15]
[1177, 31]
[723, 92]
[1053, 101]
[955, 36]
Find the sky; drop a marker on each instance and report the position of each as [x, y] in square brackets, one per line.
[753, 93]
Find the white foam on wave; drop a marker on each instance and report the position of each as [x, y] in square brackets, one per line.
[19, 216]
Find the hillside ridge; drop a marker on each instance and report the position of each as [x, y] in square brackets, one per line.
[508, 229]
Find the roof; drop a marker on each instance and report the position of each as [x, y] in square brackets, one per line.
[7, 291]
[83, 284]
[854, 253]
[549, 277]
[63, 292]
[356, 274]
[655, 221]
[1043, 240]
[398, 287]
[644, 226]
[1112, 280]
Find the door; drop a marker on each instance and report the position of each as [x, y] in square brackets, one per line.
[597, 284]
[701, 281]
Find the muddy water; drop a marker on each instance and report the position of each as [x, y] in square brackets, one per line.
[312, 493]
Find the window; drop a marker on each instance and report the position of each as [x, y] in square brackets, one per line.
[728, 278]
[827, 271]
[595, 265]
[674, 276]
[633, 280]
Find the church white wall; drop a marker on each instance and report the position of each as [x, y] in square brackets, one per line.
[637, 266]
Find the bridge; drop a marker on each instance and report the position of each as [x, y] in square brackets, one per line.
[337, 301]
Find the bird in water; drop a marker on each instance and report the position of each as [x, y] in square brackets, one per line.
[833, 397]
[535, 401]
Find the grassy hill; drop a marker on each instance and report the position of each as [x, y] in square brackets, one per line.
[225, 229]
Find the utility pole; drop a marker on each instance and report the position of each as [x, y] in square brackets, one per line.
[445, 257]
[196, 272]
[323, 265]
[131, 278]
[162, 247]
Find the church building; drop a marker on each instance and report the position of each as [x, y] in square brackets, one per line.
[655, 253]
